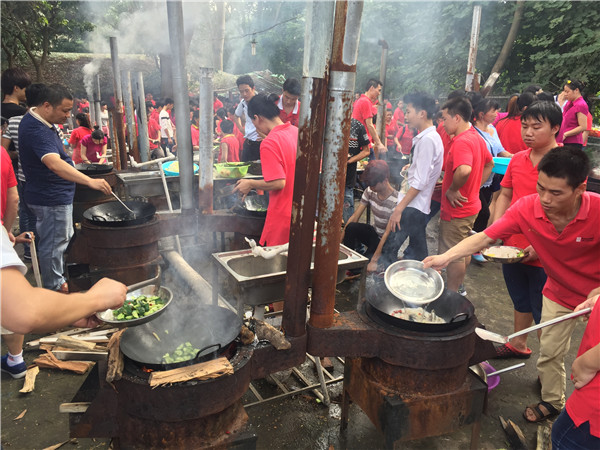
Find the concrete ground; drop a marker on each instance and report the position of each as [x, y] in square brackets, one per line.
[300, 422]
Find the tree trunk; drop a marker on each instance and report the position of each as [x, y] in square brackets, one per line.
[219, 41]
[506, 48]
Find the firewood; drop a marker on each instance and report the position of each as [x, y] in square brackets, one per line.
[544, 437]
[246, 336]
[203, 371]
[30, 375]
[97, 339]
[75, 407]
[74, 343]
[115, 358]
[36, 343]
[271, 334]
[49, 361]
[515, 435]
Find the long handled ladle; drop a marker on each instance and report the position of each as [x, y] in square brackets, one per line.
[500, 339]
[121, 202]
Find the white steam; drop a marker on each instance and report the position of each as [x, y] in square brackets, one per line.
[89, 72]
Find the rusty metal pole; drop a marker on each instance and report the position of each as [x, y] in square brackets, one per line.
[130, 115]
[381, 107]
[205, 151]
[182, 106]
[473, 48]
[118, 140]
[346, 34]
[313, 102]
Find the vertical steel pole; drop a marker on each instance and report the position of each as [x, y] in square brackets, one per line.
[205, 152]
[313, 101]
[118, 141]
[473, 48]
[381, 107]
[140, 102]
[130, 115]
[97, 100]
[346, 34]
[182, 107]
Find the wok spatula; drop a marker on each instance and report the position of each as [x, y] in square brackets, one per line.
[501, 339]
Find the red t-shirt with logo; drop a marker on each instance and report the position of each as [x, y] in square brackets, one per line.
[509, 132]
[278, 159]
[570, 258]
[468, 148]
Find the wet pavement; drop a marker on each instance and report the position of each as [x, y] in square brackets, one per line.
[300, 421]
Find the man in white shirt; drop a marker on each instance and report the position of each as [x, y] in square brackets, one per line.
[409, 219]
[251, 148]
[167, 131]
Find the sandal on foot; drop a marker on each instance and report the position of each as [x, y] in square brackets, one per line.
[508, 351]
[540, 415]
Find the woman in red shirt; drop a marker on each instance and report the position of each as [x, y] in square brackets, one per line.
[509, 128]
[84, 128]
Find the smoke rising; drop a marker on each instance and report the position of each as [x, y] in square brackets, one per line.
[89, 72]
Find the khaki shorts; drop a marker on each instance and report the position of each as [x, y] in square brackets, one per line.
[5, 331]
[454, 231]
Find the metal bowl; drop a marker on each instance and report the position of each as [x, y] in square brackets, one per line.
[411, 283]
[488, 254]
[163, 292]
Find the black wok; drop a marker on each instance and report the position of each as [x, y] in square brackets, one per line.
[94, 169]
[208, 328]
[113, 214]
[450, 306]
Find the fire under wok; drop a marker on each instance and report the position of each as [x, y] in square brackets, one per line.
[450, 306]
[113, 214]
[207, 328]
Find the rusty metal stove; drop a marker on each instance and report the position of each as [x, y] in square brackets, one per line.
[127, 254]
[410, 384]
[194, 414]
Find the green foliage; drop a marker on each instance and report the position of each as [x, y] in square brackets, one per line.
[35, 29]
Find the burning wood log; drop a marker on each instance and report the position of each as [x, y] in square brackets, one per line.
[115, 358]
[246, 336]
[203, 371]
[271, 334]
[30, 375]
[49, 361]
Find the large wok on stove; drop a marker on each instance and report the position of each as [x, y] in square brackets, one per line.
[450, 306]
[113, 214]
[208, 328]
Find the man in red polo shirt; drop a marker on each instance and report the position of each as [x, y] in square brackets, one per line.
[561, 224]
[363, 112]
[467, 164]
[288, 104]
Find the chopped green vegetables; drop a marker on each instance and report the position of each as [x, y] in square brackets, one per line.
[138, 307]
[184, 352]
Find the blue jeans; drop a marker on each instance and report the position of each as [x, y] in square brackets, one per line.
[412, 226]
[566, 436]
[26, 216]
[348, 203]
[525, 284]
[54, 227]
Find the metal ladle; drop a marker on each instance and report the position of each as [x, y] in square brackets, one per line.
[121, 202]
